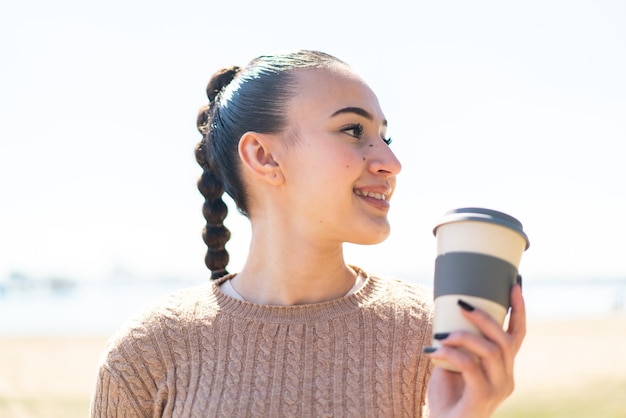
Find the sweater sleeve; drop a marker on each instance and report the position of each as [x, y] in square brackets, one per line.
[131, 379]
[112, 399]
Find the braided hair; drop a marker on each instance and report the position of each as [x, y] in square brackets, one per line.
[254, 98]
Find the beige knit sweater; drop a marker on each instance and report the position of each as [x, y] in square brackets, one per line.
[201, 353]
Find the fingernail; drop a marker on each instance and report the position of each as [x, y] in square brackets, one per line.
[519, 280]
[429, 350]
[441, 335]
[466, 306]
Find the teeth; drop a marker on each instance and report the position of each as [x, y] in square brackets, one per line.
[379, 196]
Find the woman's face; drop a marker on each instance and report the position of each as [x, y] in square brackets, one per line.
[339, 171]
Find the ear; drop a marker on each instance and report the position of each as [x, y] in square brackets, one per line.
[257, 153]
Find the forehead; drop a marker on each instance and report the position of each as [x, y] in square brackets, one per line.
[323, 91]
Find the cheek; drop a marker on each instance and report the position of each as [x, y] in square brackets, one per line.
[362, 158]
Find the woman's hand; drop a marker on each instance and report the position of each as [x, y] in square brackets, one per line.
[485, 364]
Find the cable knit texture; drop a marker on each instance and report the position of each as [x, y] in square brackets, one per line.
[201, 353]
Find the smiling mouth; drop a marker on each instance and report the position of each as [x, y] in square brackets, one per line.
[377, 196]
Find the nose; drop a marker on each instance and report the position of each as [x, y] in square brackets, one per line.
[383, 161]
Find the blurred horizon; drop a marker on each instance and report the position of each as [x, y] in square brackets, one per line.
[60, 306]
[119, 274]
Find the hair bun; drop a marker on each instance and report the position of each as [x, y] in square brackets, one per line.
[221, 79]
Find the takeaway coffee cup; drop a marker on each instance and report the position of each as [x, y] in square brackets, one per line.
[478, 255]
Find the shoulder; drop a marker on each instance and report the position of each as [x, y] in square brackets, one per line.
[404, 289]
[182, 307]
[401, 308]
[159, 328]
[403, 295]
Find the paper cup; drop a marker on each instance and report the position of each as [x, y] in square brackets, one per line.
[478, 255]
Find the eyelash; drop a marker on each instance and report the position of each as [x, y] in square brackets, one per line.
[358, 131]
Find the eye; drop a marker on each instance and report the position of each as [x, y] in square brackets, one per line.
[355, 130]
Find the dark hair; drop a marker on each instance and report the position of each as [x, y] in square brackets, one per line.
[254, 98]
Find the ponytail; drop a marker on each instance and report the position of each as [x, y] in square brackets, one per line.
[214, 234]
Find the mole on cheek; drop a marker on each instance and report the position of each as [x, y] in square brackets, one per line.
[371, 145]
[363, 158]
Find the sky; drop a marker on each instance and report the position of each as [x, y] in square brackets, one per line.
[513, 106]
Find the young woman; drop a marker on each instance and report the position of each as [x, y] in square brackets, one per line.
[299, 142]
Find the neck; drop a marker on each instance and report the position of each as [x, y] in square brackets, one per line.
[290, 271]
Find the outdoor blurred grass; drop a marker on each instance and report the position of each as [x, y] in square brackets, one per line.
[602, 399]
[50, 407]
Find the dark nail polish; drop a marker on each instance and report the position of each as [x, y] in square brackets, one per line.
[466, 306]
[441, 335]
[429, 350]
[519, 280]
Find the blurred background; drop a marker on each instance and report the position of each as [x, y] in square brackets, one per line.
[514, 106]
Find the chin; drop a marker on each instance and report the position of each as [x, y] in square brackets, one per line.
[373, 239]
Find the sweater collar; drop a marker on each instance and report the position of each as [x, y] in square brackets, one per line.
[298, 313]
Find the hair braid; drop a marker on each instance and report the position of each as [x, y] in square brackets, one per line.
[215, 235]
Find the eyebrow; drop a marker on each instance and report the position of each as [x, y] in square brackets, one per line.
[356, 110]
